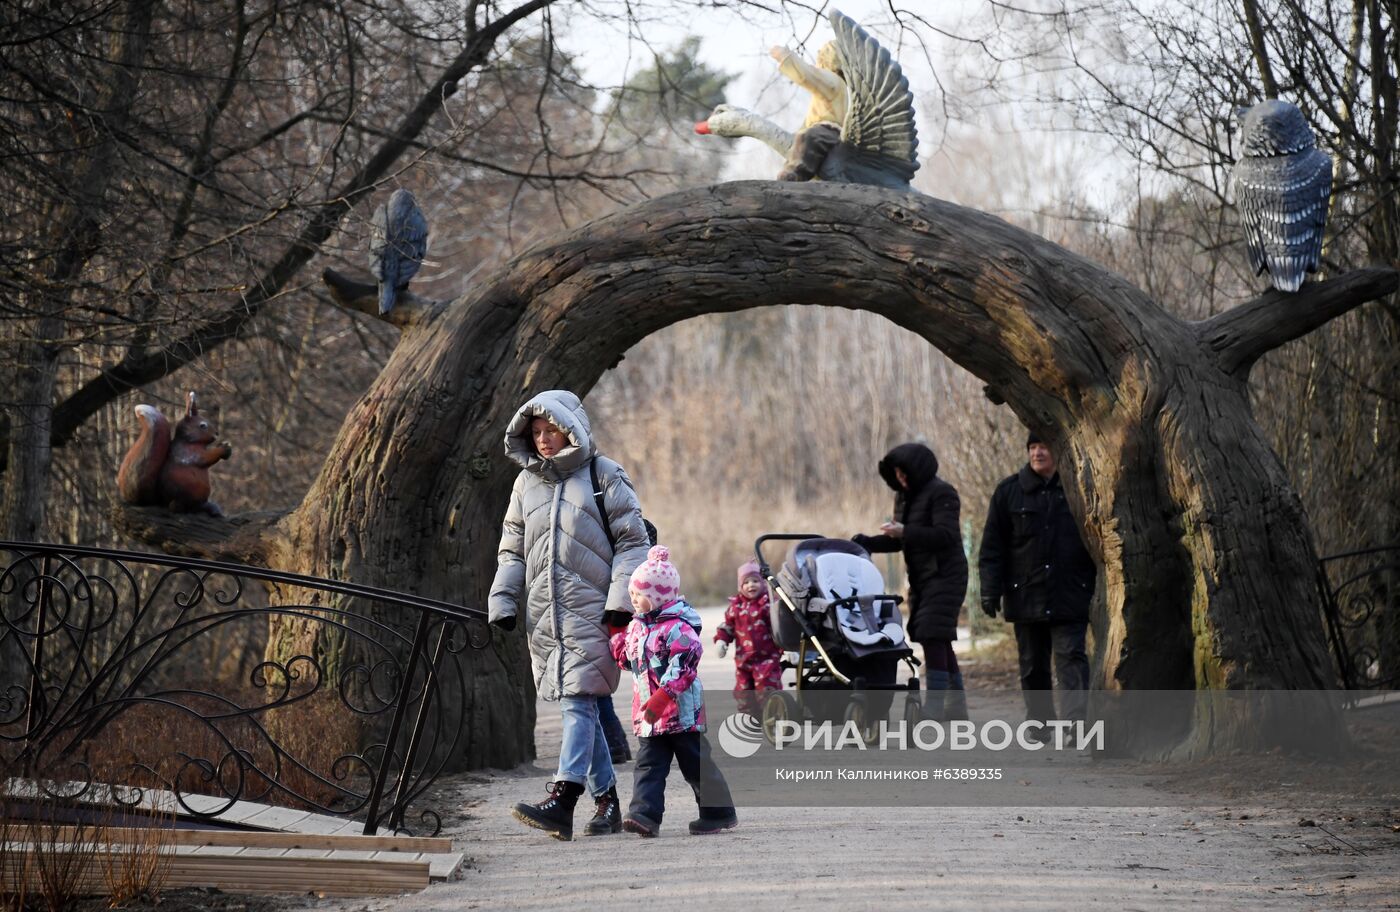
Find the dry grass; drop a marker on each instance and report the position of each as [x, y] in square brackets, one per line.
[991, 663]
[136, 859]
[53, 854]
[46, 861]
[312, 735]
[774, 420]
[996, 649]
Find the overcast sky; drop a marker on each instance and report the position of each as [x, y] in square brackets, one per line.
[737, 42]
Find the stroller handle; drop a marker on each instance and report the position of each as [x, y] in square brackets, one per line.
[777, 536]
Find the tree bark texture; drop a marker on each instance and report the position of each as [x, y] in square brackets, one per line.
[1206, 552]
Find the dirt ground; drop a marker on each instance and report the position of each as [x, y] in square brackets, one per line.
[1314, 843]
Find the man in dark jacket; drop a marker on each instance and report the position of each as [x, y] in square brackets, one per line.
[1034, 564]
[926, 527]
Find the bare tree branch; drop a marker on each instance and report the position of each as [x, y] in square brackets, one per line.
[1242, 335]
[363, 297]
[138, 369]
[244, 538]
[1259, 44]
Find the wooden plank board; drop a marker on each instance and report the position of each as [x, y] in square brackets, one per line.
[182, 851]
[444, 866]
[330, 876]
[239, 812]
[349, 828]
[325, 825]
[310, 831]
[276, 818]
[202, 804]
[399, 845]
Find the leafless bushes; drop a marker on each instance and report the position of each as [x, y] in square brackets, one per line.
[775, 420]
[53, 852]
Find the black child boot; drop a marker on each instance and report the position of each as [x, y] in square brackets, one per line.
[608, 816]
[554, 815]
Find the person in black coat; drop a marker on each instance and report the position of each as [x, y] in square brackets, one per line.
[1034, 566]
[927, 529]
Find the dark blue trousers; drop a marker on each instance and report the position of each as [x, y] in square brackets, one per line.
[612, 728]
[692, 754]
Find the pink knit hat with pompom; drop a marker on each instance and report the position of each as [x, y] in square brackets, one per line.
[656, 577]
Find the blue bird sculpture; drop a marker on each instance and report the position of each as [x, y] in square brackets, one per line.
[398, 242]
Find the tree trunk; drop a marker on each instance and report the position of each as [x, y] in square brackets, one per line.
[75, 233]
[29, 455]
[31, 380]
[1206, 552]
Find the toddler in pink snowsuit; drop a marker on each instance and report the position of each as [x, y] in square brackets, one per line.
[757, 659]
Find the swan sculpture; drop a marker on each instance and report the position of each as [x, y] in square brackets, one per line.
[877, 144]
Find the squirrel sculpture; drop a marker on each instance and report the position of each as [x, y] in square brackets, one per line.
[172, 472]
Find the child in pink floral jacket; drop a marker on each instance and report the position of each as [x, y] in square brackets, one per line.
[662, 648]
[757, 659]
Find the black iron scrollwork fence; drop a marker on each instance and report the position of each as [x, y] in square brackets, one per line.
[1361, 600]
[100, 646]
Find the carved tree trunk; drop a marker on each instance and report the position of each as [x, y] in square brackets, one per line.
[1207, 555]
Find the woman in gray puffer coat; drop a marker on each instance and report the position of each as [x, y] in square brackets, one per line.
[557, 568]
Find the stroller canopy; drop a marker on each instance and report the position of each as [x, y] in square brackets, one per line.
[836, 578]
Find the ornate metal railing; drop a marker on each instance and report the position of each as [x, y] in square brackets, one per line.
[1361, 601]
[123, 666]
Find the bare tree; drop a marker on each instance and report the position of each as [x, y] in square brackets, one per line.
[175, 167]
[1162, 82]
[1177, 542]
[1206, 550]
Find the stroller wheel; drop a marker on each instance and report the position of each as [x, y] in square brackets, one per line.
[869, 728]
[777, 707]
[913, 709]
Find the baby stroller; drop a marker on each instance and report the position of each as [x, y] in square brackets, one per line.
[839, 629]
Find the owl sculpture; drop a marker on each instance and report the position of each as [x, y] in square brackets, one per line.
[398, 241]
[1282, 183]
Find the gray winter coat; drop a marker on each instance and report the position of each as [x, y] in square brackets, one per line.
[554, 557]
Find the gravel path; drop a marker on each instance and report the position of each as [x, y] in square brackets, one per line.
[1255, 854]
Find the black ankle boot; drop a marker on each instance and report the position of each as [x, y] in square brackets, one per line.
[554, 815]
[608, 817]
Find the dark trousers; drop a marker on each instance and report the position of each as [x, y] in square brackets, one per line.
[692, 753]
[1043, 647]
[612, 727]
[939, 656]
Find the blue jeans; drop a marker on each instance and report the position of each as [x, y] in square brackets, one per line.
[583, 750]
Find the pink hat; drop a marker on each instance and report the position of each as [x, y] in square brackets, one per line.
[748, 569]
[657, 578]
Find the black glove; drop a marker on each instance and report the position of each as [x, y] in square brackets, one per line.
[616, 621]
[991, 604]
[506, 623]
